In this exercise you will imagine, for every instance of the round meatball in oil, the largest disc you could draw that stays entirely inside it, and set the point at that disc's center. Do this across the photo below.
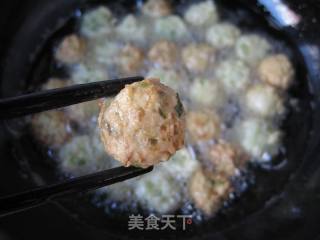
(258, 138)
(171, 28)
(131, 30)
(201, 14)
(158, 192)
(223, 158)
(234, 75)
(131, 59)
(276, 70)
(251, 48)
(208, 190)
(163, 53)
(71, 49)
(222, 35)
(181, 165)
(207, 92)
(197, 57)
(263, 100)
(144, 125)
(79, 156)
(51, 128)
(202, 125)
(97, 22)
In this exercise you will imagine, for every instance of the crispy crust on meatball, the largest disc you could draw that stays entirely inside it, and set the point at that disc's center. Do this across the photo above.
(143, 125)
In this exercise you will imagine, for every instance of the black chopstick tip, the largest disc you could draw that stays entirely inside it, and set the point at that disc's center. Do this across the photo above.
(138, 169)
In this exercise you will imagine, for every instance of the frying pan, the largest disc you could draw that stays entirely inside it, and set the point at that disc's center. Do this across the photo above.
(282, 201)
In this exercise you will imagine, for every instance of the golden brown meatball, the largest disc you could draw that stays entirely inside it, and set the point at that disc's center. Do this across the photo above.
(51, 127)
(276, 70)
(164, 53)
(202, 125)
(208, 190)
(157, 8)
(131, 59)
(197, 57)
(71, 49)
(223, 157)
(144, 124)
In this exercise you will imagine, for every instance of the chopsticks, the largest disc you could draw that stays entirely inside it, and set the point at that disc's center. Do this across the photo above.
(55, 98)
(26, 200)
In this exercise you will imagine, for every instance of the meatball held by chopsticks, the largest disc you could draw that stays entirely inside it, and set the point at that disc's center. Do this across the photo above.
(144, 124)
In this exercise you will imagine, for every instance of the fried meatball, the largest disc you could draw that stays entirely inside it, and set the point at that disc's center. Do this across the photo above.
(207, 92)
(158, 191)
(131, 30)
(157, 8)
(198, 57)
(264, 100)
(258, 137)
(223, 157)
(71, 49)
(276, 70)
(164, 53)
(200, 14)
(131, 59)
(222, 35)
(252, 48)
(144, 124)
(51, 128)
(97, 22)
(234, 75)
(208, 190)
(202, 125)
(171, 28)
